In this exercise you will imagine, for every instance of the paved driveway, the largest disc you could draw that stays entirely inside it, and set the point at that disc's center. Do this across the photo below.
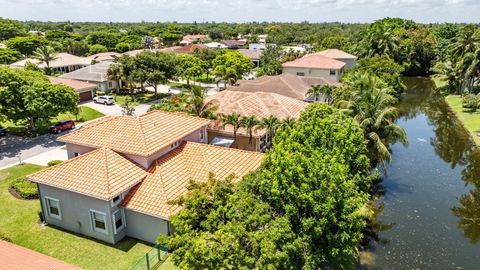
(115, 109)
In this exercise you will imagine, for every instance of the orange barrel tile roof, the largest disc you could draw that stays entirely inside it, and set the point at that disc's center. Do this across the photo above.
(77, 85)
(317, 61)
(13, 257)
(170, 175)
(101, 173)
(138, 135)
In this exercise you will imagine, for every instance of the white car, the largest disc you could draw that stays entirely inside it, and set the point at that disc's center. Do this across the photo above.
(107, 100)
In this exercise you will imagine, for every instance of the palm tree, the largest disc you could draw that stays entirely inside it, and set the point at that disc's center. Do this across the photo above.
(196, 103)
(287, 122)
(270, 124)
(321, 93)
(115, 73)
(45, 54)
(249, 123)
(466, 41)
(372, 107)
(228, 75)
(235, 121)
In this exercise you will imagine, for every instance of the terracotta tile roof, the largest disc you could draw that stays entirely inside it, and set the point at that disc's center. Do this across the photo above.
(187, 49)
(63, 60)
(16, 257)
(336, 54)
(78, 86)
(234, 42)
(317, 61)
(190, 161)
(258, 104)
(101, 173)
(285, 84)
(252, 54)
(138, 135)
(191, 38)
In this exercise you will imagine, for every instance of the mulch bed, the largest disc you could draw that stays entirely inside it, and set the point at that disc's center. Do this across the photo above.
(15, 194)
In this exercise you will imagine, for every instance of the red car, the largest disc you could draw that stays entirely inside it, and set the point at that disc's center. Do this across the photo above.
(62, 125)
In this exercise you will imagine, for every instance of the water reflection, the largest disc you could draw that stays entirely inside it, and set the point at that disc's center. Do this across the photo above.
(450, 142)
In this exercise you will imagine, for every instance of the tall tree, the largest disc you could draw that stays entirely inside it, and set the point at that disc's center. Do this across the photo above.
(45, 54)
(235, 121)
(270, 125)
(114, 73)
(321, 93)
(249, 123)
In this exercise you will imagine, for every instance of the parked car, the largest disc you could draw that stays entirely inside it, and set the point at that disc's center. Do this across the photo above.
(107, 100)
(62, 125)
(3, 131)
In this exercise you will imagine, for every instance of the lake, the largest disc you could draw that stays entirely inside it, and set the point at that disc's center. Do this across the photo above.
(429, 214)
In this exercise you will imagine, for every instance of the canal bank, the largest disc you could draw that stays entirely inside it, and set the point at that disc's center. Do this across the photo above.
(430, 209)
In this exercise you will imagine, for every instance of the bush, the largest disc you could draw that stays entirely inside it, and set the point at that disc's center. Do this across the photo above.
(54, 162)
(471, 101)
(26, 189)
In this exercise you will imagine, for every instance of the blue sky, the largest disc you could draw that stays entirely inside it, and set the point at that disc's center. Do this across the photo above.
(241, 10)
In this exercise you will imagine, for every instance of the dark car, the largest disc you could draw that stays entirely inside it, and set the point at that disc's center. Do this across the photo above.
(3, 131)
(62, 125)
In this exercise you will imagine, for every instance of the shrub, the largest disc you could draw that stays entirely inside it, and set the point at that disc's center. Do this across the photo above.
(26, 189)
(54, 162)
(471, 101)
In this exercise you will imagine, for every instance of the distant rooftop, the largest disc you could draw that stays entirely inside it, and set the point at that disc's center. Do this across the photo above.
(63, 60)
(337, 54)
(78, 86)
(316, 61)
(93, 73)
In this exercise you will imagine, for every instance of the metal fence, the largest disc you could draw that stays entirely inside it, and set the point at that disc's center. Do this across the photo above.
(152, 259)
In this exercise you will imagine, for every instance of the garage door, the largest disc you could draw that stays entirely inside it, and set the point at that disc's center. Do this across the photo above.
(85, 96)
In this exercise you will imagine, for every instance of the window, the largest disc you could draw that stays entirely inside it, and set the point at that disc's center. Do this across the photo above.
(300, 74)
(110, 84)
(202, 134)
(53, 208)
(99, 221)
(76, 154)
(333, 72)
(118, 218)
(117, 200)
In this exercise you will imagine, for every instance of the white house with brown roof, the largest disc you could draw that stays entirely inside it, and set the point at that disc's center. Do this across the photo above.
(123, 170)
(315, 65)
(64, 63)
(340, 55)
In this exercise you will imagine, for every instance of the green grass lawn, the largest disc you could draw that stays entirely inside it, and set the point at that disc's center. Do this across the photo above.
(86, 114)
(470, 120)
(19, 223)
(135, 99)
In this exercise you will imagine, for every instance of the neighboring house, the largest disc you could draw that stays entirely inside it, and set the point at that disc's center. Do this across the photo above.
(339, 55)
(297, 49)
(262, 38)
(285, 84)
(134, 53)
(123, 170)
(215, 45)
(189, 39)
(234, 43)
(96, 74)
(187, 49)
(315, 65)
(85, 90)
(257, 46)
(254, 55)
(258, 104)
(102, 57)
(64, 63)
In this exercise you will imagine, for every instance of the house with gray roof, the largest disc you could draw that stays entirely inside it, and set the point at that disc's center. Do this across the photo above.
(96, 74)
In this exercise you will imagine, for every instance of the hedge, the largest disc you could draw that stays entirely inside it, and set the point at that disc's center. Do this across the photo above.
(25, 189)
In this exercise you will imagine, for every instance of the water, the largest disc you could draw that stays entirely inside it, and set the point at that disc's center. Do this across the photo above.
(431, 205)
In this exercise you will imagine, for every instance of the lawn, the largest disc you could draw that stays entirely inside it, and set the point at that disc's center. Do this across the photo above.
(86, 114)
(19, 223)
(470, 120)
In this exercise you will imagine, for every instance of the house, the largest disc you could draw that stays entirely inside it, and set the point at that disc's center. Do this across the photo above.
(190, 39)
(123, 170)
(286, 84)
(96, 74)
(315, 65)
(215, 45)
(257, 46)
(64, 63)
(262, 38)
(339, 55)
(102, 57)
(258, 104)
(85, 90)
(134, 53)
(234, 43)
(254, 55)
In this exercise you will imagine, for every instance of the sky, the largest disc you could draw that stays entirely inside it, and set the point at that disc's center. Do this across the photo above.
(424, 11)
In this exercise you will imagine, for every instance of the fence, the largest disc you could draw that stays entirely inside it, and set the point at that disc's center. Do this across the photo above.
(152, 259)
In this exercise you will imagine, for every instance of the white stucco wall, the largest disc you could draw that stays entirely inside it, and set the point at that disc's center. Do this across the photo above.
(145, 227)
(322, 73)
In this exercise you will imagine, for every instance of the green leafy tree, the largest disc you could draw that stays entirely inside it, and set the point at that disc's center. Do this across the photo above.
(97, 48)
(270, 125)
(270, 63)
(25, 45)
(114, 73)
(249, 123)
(29, 96)
(225, 74)
(190, 67)
(106, 39)
(235, 61)
(78, 48)
(8, 56)
(57, 35)
(11, 28)
(322, 93)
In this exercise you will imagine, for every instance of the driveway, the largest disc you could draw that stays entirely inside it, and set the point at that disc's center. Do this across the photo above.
(115, 109)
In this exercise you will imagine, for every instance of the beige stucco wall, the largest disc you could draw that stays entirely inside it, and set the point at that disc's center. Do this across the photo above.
(145, 227)
(322, 73)
(242, 141)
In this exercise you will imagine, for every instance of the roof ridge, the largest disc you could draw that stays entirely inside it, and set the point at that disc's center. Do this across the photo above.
(146, 145)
